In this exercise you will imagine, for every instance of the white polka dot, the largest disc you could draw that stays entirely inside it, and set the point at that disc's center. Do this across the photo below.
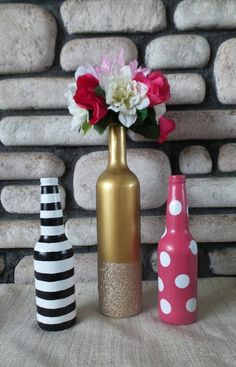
(165, 306)
(193, 247)
(175, 207)
(182, 281)
(160, 284)
(165, 259)
(164, 233)
(191, 305)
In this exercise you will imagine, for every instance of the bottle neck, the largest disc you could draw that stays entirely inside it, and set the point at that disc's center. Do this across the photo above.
(117, 146)
(177, 206)
(51, 217)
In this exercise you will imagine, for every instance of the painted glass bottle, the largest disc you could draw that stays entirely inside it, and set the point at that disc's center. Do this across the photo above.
(118, 230)
(177, 260)
(53, 264)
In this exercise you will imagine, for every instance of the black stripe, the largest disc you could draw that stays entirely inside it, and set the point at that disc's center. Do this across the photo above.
(57, 221)
(51, 239)
(56, 311)
(53, 256)
(54, 277)
(57, 327)
(52, 189)
(55, 295)
(50, 206)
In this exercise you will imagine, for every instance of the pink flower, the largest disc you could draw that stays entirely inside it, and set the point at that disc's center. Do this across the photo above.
(158, 86)
(166, 126)
(85, 97)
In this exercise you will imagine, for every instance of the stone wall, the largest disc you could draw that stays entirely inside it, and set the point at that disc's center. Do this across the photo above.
(41, 44)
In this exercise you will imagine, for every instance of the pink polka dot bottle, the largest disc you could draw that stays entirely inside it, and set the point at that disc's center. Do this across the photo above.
(177, 260)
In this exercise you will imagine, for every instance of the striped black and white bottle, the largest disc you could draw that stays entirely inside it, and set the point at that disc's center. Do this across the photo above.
(53, 264)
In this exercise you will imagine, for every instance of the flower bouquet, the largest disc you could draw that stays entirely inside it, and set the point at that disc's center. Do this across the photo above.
(114, 92)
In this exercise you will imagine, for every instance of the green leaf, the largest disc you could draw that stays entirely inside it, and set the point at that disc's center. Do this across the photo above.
(101, 126)
(151, 112)
(86, 127)
(141, 116)
(149, 128)
(99, 91)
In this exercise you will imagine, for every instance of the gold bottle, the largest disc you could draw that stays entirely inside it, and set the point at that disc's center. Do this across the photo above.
(118, 231)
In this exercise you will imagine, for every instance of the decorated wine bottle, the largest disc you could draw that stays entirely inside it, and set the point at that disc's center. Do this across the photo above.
(177, 260)
(53, 264)
(118, 230)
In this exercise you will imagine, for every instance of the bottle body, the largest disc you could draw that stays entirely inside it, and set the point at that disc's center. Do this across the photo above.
(53, 264)
(177, 260)
(118, 231)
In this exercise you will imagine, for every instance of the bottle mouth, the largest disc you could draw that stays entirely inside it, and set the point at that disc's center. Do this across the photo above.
(177, 179)
(49, 181)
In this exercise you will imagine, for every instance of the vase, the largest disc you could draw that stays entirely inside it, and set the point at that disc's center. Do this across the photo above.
(118, 233)
(177, 260)
(53, 264)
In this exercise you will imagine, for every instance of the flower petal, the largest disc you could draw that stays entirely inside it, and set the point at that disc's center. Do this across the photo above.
(166, 126)
(82, 70)
(160, 110)
(126, 71)
(143, 88)
(113, 108)
(80, 115)
(127, 120)
(143, 103)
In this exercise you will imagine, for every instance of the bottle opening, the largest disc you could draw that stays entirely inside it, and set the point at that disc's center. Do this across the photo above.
(49, 181)
(177, 179)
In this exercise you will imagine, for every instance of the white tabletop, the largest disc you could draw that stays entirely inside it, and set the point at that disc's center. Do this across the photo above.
(140, 341)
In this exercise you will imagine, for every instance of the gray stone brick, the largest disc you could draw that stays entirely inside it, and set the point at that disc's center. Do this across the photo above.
(113, 16)
(33, 93)
(207, 14)
(29, 166)
(210, 228)
(215, 192)
(45, 131)
(19, 233)
(91, 51)
(186, 88)
(195, 159)
(27, 38)
(227, 158)
(223, 262)
(224, 71)
(177, 51)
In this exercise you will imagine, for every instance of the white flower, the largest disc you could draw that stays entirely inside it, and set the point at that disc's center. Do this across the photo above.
(80, 115)
(123, 94)
(82, 70)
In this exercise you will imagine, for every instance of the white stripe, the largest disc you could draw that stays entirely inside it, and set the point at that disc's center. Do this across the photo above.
(49, 181)
(52, 230)
(51, 213)
(56, 320)
(57, 303)
(53, 246)
(53, 267)
(60, 285)
(50, 198)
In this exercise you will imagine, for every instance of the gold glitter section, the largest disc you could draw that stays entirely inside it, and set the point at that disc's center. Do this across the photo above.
(120, 289)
